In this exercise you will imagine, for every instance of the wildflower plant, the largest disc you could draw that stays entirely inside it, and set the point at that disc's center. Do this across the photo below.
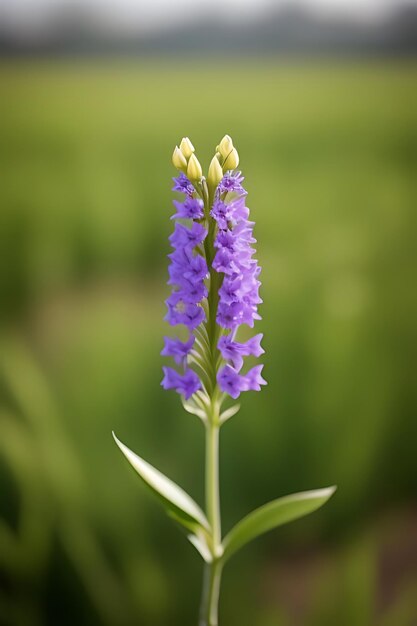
(214, 281)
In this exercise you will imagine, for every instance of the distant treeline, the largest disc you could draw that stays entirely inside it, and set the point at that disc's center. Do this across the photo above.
(290, 30)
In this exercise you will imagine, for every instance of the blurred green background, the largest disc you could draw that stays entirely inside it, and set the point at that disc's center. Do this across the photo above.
(329, 151)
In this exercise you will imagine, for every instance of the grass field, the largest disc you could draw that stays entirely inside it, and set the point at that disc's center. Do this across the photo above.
(329, 151)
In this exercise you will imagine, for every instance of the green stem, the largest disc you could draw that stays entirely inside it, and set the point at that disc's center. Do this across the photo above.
(212, 480)
(210, 597)
(212, 571)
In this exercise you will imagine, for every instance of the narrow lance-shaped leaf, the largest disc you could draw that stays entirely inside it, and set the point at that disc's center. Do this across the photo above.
(274, 514)
(228, 413)
(197, 536)
(191, 407)
(177, 502)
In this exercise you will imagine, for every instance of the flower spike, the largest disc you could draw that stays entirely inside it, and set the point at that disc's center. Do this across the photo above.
(215, 280)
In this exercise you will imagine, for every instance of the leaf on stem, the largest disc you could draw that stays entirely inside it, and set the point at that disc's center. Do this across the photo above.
(228, 413)
(178, 504)
(192, 408)
(274, 514)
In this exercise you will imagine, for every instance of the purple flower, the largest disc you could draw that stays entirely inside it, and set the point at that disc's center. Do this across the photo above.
(254, 379)
(197, 269)
(234, 351)
(186, 264)
(191, 208)
(226, 239)
(225, 262)
(182, 312)
(233, 383)
(177, 348)
(231, 181)
(183, 185)
(243, 230)
(193, 291)
(188, 238)
(230, 381)
(186, 384)
(236, 314)
(238, 210)
(241, 287)
(221, 213)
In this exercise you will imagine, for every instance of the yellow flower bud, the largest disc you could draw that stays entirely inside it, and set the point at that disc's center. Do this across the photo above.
(232, 161)
(178, 160)
(186, 147)
(215, 172)
(194, 171)
(225, 146)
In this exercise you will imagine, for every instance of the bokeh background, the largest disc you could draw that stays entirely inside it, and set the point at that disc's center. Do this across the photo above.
(321, 100)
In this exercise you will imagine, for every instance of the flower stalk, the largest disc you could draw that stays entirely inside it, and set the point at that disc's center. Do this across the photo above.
(228, 292)
(212, 570)
(224, 295)
(211, 591)
(212, 483)
(215, 283)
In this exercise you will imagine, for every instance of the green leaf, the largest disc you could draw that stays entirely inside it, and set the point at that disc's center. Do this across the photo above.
(191, 407)
(198, 537)
(175, 500)
(228, 413)
(274, 514)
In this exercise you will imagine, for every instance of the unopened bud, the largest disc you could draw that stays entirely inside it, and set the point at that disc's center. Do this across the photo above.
(194, 171)
(215, 172)
(232, 161)
(225, 146)
(178, 159)
(186, 147)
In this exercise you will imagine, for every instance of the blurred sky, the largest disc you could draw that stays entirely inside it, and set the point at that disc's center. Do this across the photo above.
(156, 14)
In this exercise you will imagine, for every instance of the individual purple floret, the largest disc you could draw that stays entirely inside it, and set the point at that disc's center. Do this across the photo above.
(254, 379)
(191, 208)
(185, 384)
(233, 383)
(187, 238)
(234, 351)
(178, 349)
(182, 312)
(231, 181)
(183, 185)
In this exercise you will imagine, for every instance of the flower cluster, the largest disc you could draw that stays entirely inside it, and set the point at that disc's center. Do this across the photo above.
(187, 272)
(239, 292)
(216, 206)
